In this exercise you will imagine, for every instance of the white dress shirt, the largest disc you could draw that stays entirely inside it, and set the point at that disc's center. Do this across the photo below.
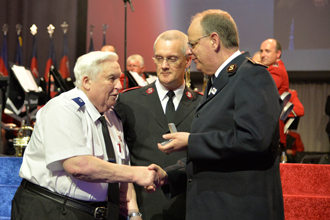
(66, 128)
(162, 93)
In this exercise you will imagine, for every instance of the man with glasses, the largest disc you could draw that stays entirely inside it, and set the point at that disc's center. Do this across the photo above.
(145, 116)
(232, 163)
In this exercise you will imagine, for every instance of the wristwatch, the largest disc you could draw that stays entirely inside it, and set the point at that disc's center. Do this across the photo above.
(134, 214)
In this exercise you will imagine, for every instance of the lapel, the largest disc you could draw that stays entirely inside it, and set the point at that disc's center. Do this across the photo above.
(206, 91)
(224, 77)
(185, 106)
(152, 103)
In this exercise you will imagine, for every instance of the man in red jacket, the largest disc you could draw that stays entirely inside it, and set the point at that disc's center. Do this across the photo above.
(270, 55)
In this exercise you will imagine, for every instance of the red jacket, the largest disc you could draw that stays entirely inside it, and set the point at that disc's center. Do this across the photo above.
(280, 76)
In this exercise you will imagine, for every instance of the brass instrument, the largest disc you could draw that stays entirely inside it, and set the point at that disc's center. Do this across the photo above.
(205, 80)
(22, 139)
(187, 76)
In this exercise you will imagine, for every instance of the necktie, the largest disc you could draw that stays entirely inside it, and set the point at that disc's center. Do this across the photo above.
(107, 140)
(170, 110)
(113, 188)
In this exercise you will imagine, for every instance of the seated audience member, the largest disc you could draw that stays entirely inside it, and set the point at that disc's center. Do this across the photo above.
(135, 63)
(77, 162)
(270, 55)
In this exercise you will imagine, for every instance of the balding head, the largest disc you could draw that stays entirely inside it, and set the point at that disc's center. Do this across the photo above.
(108, 48)
(270, 52)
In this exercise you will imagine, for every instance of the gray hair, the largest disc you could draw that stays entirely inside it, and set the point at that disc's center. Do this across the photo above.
(220, 22)
(172, 35)
(91, 64)
(136, 57)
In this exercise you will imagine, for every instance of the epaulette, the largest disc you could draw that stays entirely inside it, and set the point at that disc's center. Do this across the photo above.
(200, 93)
(79, 101)
(256, 62)
(132, 88)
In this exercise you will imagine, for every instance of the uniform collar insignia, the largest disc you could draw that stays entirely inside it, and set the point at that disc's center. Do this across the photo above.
(150, 91)
(231, 68)
(189, 95)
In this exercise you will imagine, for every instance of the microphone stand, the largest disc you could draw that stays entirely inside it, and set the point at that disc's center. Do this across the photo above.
(125, 39)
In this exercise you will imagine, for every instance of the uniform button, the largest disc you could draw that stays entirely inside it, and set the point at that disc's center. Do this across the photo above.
(190, 180)
(197, 116)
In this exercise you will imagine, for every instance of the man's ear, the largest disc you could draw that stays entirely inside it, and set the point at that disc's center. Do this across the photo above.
(215, 41)
(188, 62)
(86, 83)
(278, 54)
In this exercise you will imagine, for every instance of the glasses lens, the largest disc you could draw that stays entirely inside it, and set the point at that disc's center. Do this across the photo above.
(169, 60)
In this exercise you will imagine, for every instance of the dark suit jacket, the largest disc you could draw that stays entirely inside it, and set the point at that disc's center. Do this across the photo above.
(144, 124)
(232, 165)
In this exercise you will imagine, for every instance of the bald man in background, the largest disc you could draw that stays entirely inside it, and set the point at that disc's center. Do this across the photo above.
(270, 55)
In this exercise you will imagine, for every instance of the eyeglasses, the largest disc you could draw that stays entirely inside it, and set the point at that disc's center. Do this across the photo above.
(170, 60)
(192, 44)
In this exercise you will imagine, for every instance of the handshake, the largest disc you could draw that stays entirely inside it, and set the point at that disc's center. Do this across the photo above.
(151, 177)
(157, 177)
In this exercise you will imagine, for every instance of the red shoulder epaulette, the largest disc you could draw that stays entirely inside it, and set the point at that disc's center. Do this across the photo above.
(132, 88)
(201, 93)
(256, 62)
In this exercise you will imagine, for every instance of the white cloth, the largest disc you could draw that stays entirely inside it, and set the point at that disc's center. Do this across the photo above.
(162, 93)
(64, 129)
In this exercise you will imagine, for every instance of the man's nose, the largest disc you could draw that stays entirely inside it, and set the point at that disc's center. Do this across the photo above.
(118, 84)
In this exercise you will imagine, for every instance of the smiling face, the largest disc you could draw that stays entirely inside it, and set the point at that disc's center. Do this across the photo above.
(103, 90)
(171, 74)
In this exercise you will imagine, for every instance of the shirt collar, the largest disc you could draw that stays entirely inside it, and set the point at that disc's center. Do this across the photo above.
(233, 56)
(162, 91)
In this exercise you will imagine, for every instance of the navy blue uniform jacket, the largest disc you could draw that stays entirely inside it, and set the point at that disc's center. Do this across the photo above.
(232, 165)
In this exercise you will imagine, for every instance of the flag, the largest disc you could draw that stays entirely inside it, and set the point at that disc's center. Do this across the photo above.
(91, 45)
(4, 58)
(64, 65)
(51, 58)
(18, 54)
(34, 62)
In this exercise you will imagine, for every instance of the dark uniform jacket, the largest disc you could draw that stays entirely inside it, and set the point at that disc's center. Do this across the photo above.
(144, 124)
(232, 166)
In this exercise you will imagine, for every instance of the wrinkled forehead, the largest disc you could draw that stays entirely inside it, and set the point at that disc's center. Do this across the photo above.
(195, 30)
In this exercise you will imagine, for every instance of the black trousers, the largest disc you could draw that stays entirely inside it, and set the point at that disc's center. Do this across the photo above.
(27, 205)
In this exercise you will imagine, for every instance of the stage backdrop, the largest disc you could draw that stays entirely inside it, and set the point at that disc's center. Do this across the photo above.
(301, 24)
